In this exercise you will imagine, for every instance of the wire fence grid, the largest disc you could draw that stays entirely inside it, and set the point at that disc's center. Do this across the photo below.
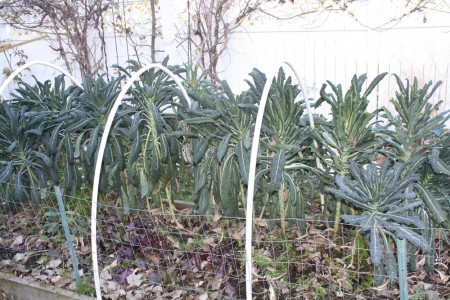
(143, 254)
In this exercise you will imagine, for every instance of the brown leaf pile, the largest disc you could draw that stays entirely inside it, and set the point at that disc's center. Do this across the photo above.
(144, 255)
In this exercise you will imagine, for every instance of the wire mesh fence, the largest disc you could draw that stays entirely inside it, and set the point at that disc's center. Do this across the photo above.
(144, 254)
(32, 242)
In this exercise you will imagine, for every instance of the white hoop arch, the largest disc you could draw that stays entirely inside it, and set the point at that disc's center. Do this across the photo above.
(252, 171)
(37, 62)
(99, 161)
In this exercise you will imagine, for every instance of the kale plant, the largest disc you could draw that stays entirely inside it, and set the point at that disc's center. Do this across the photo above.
(387, 209)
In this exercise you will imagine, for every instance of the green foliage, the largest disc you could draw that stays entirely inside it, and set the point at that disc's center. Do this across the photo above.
(25, 169)
(417, 127)
(434, 187)
(381, 196)
(45, 96)
(287, 158)
(85, 289)
(221, 154)
(349, 134)
(417, 139)
(160, 146)
(155, 148)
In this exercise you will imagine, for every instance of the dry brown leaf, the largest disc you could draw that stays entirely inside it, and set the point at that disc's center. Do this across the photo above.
(237, 236)
(218, 230)
(421, 262)
(209, 241)
(85, 250)
(154, 259)
(21, 257)
(21, 268)
(443, 276)
(177, 294)
(215, 284)
(53, 264)
(314, 231)
(63, 281)
(134, 280)
(115, 295)
(174, 242)
(230, 291)
(203, 296)
(216, 218)
(55, 279)
(41, 277)
(139, 294)
(315, 256)
(50, 272)
(199, 283)
(111, 266)
(261, 222)
(387, 293)
(272, 294)
(17, 241)
(105, 275)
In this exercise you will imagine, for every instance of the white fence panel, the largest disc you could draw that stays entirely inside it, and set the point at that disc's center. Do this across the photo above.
(319, 55)
(338, 55)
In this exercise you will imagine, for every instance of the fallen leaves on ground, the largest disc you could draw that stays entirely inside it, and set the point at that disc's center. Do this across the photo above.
(142, 255)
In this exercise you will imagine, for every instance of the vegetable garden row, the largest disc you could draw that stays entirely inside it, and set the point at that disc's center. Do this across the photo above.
(385, 173)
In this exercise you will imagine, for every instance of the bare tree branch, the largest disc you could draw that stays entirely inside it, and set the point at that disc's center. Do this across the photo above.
(69, 21)
(213, 27)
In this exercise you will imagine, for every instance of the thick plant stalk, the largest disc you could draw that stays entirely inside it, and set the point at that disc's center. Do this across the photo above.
(66, 228)
(429, 258)
(337, 218)
(412, 257)
(282, 205)
(242, 196)
(168, 189)
(402, 265)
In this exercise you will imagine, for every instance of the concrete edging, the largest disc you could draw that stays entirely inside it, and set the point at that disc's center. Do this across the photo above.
(16, 288)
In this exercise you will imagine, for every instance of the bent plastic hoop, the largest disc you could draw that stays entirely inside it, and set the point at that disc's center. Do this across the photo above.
(252, 172)
(36, 62)
(99, 161)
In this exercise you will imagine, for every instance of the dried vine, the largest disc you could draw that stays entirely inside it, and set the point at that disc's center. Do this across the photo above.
(70, 22)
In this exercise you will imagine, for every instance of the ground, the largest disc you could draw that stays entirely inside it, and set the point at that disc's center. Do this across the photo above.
(145, 255)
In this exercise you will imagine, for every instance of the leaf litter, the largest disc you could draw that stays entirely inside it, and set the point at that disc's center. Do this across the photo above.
(143, 256)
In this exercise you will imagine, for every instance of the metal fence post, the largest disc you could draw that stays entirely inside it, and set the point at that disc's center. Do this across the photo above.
(402, 275)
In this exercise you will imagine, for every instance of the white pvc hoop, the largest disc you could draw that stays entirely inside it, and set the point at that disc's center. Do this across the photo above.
(252, 172)
(99, 161)
(311, 123)
(37, 62)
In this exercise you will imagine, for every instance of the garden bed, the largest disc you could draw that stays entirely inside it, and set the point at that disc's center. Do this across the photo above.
(143, 254)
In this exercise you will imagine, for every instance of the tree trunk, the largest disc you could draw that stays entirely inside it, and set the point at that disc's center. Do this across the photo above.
(153, 49)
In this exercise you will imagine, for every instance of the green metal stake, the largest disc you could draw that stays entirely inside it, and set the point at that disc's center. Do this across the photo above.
(402, 276)
(65, 224)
